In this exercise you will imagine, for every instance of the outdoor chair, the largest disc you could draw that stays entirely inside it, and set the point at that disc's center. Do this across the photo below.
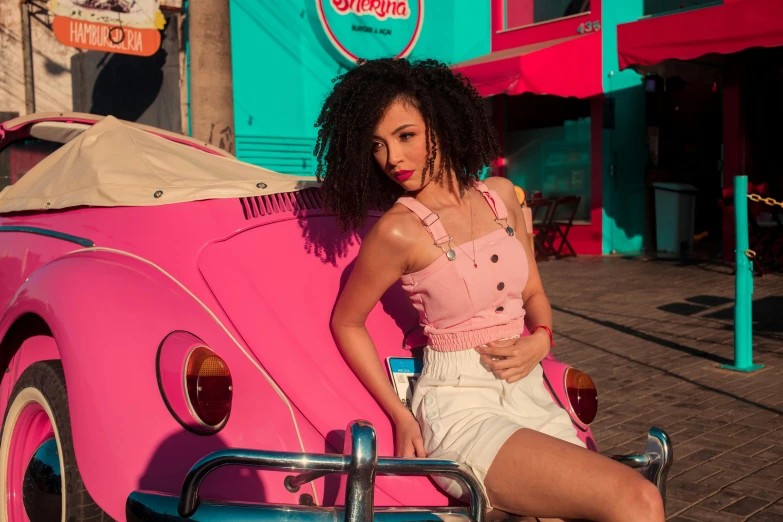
(541, 212)
(559, 228)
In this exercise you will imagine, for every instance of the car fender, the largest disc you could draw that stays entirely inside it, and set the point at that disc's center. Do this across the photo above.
(108, 313)
(32, 350)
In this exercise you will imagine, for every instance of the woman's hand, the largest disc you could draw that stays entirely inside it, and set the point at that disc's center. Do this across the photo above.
(513, 359)
(409, 440)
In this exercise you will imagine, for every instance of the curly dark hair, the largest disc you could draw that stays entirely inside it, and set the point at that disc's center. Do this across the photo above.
(455, 119)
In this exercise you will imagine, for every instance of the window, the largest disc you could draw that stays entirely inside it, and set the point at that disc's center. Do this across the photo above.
(653, 7)
(20, 157)
(546, 148)
(520, 13)
(554, 161)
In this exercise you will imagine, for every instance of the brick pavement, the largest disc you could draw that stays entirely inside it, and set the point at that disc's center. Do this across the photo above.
(652, 334)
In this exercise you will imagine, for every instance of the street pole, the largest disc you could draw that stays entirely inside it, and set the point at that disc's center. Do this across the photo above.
(743, 285)
(27, 51)
(211, 82)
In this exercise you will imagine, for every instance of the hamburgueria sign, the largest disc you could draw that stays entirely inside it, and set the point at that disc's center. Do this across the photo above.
(116, 26)
(371, 28)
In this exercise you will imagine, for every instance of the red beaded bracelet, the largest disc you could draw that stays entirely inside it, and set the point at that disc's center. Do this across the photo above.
(548, 331)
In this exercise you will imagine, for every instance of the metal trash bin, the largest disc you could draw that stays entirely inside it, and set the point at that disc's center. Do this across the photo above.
(675, 211)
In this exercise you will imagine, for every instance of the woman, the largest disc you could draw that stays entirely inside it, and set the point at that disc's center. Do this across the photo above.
(413, 138)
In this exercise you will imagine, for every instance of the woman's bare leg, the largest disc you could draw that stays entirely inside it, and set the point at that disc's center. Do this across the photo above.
(537, 475)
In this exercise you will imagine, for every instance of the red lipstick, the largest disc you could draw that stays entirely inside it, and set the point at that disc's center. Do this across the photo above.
(402, 175)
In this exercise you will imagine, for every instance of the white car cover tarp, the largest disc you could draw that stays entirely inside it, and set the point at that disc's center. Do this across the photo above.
(112, 164)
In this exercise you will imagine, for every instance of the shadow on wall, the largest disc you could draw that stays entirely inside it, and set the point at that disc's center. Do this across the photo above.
(143, 89)
(624, 170)
(126, 85)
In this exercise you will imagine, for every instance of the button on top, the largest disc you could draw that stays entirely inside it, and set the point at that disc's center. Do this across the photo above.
(428, 401)
(501, 285)
(499, 309)
(494, 258)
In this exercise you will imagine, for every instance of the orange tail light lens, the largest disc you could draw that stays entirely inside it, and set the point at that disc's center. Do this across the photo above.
(209, 386)
(582, 395)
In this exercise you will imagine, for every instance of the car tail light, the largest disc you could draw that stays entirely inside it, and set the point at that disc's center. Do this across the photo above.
(195, 383)
(582, 395)
(208, 386)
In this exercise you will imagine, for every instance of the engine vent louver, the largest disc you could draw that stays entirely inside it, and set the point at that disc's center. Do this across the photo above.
(257, 206)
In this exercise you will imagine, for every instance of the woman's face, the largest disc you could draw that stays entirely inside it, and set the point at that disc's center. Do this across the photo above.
(400, 145)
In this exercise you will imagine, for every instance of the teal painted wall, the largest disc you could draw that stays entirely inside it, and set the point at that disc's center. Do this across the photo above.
(283, 66)
(624, 147)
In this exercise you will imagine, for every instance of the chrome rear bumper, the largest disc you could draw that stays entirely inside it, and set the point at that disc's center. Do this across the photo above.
(361, 463)
(149, 507)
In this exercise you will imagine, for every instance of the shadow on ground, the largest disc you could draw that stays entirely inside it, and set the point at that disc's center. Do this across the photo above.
(767, 311)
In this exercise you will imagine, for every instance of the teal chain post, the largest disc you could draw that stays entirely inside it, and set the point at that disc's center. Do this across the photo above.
(743, 286)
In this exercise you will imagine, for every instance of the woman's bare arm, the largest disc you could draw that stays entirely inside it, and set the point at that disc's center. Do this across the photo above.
(380, 263)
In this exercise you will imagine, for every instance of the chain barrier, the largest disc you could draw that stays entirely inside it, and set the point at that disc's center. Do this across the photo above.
(769, 201)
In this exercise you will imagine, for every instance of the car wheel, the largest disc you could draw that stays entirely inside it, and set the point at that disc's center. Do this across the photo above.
(39, 480)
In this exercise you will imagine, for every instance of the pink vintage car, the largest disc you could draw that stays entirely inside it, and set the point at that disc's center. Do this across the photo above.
(164, 330)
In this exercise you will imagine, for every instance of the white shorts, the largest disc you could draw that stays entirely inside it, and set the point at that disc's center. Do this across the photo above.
(466, 413)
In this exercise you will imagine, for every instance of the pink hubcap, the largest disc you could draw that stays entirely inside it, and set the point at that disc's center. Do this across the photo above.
(33, 427)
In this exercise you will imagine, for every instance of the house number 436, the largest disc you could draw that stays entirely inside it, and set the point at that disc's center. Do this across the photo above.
(589, 27)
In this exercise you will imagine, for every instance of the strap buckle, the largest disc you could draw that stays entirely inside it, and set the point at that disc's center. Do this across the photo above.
(443, 239)
(424, 220)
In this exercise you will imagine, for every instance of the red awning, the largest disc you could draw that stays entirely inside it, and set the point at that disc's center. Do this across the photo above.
(566, 67)
(723, 29)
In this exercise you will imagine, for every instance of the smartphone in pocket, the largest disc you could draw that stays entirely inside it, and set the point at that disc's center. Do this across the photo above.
(404, 373)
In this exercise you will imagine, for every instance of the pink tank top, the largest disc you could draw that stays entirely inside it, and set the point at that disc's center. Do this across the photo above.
(461, 306)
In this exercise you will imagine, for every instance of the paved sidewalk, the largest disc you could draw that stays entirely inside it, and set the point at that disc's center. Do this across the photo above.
(652, 334)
